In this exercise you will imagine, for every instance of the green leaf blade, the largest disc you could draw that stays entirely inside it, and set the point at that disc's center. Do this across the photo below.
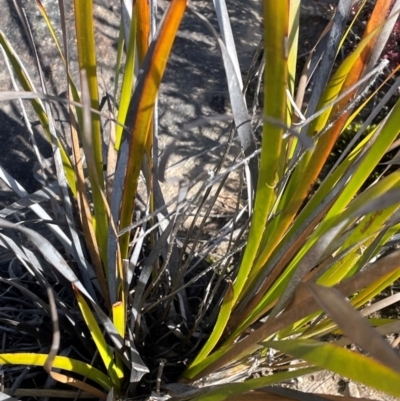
(344, 362)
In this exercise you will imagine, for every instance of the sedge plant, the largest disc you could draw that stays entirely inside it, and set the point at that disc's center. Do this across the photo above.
(149, 312)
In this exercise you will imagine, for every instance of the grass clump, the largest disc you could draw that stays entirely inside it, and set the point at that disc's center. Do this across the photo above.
(136, 308)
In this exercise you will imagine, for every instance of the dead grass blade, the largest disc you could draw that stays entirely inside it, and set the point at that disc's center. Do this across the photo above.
(354, 325)
(27, 201)
(384, 303)
(384, 330)
(239, 108)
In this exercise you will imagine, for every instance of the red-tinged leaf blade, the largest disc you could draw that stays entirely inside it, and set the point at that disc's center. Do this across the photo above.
(142, 105)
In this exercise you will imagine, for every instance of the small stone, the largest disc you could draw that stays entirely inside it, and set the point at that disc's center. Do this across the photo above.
(351, 390)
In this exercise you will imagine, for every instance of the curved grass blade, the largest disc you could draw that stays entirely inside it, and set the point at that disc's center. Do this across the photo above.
(219, 327)
(366, 232)
(142, 13)
(37, 105)
(331, 42)
(55, 344)
(59, 263)
(57, 43)
(36, 208)
(389, 129)
(28, 201)
(60, 362)
(342, 361)
(104, 350)
(89, 145)
(226, 391)
(375, 288)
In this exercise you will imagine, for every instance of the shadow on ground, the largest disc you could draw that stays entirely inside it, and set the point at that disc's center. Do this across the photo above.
(194, 84)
